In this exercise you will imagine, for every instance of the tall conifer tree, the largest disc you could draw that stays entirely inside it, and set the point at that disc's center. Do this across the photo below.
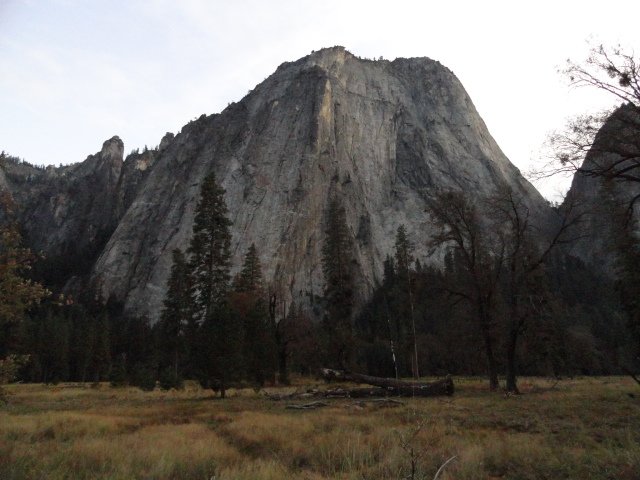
(337, 256)
(250, 304)
(220, 334)
(209, 249)
(101, 354)
(250, 278)
(175, 321)
(404, 259)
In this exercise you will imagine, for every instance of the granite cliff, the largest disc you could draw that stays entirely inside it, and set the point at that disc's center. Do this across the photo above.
(606, 200)
(69, 213)
(381, 135)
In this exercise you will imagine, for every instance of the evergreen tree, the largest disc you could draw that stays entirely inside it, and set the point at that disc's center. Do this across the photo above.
(58, 343)
(403, 252)
(176, 316)
(101, 352)
(337, 257)
(50, 347)
(388, 282)
(404, 258)
(220, 350)
(83, 339)
(219, 336)
(118, 375)
(209, 249)
(281, 326)
(389, 271)
(250, 278)
(250, 305)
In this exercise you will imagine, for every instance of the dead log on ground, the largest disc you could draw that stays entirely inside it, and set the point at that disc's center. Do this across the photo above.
(311, 393)
(379, 402)
(389, 386)
(307, 406)
(632, 375)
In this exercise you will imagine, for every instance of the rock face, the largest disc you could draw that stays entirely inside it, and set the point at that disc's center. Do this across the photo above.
(383, 136)
(69, 213)
(605, 202)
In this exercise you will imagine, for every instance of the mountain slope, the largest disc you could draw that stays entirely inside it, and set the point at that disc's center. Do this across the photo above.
(383, 136)
(69, 213)
(606, 201)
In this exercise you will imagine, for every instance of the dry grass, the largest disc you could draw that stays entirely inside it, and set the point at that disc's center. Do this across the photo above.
(583, 429)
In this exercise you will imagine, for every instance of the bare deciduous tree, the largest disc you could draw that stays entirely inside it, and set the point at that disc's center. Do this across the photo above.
(525, 247)
(604, 144)
(458, 226)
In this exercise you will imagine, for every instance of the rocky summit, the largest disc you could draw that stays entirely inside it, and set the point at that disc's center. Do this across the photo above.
(381, 135)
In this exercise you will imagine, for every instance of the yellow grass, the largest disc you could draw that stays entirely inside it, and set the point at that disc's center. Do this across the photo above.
(584, 428)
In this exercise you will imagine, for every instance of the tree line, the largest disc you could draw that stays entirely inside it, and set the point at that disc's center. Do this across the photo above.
(508, 301)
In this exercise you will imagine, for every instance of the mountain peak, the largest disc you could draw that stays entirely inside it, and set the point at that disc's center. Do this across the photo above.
(381, 136)
(113, 149)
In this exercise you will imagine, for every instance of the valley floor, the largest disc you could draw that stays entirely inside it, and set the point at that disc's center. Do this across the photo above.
(587, 428)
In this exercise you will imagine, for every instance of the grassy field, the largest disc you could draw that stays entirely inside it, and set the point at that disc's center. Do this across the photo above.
(580, 429)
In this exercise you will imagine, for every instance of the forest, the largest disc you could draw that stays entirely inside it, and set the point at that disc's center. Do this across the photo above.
(420, 321)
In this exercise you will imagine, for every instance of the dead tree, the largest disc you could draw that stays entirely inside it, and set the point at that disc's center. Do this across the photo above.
(389, 386)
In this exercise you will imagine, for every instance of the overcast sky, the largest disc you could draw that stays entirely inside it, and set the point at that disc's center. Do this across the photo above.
(74, 73)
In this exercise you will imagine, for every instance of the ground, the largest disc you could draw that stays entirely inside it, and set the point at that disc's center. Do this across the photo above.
(587, 428)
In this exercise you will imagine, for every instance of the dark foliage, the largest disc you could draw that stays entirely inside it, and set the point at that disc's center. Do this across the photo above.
(337, 257)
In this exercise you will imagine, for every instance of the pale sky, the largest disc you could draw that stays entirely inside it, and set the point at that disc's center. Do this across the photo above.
(74, 73)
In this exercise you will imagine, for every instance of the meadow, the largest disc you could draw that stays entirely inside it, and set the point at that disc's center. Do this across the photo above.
(583, 428)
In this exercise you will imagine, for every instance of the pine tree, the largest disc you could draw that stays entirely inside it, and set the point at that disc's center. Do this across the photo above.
(176, 317)
(220, 349)
(404, 258)
(51, 345)
(403, 252)
(389, 271)
(101, 352)
(209, 249)
(118, 375)
(219, 335)
(337, 257)
(388, 283)
(281, 326)
(250, 305)
(82, 342)
(250, 278)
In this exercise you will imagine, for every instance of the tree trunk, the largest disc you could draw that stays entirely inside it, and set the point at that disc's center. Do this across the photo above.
(485, 327)
(414, 360)
(390, 386)
(492, 369)
(283, 373)
(175, 366)
(511, 362)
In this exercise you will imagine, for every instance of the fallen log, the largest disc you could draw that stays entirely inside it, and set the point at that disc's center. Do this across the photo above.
(386, 401)
(389, 386)
(307, 406)
(311, 393)
(365, 392)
